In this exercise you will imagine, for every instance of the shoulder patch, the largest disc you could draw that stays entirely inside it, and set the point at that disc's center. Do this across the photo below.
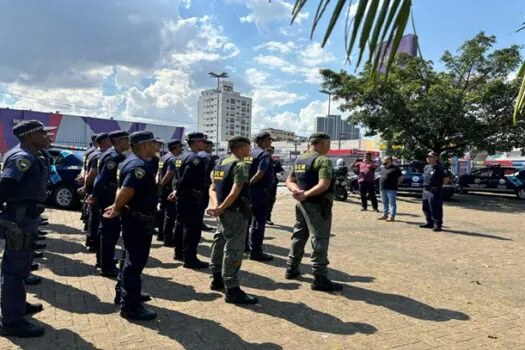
(139, 173)
(196, 161)
(23, 164)
(111, 165)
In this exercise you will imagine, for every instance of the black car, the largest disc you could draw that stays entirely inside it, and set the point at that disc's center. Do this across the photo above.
(494, 179)
(66, 166)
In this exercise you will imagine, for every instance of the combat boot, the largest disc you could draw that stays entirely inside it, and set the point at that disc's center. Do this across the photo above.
(426, 226)
(322, 283)
(144, 297)
(160, 237)
(22, 329)
(139, 314)
(114, 272)
(195, 264)
(237, 296)
(260, 256)
(35, 266)
(292, 272)
(437, 228)
(31, 280)
(217, 283)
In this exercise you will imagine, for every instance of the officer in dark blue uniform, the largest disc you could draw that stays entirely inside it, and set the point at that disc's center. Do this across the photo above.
(165, 178)
(135, 204)
(435, 177)
(23, 187)
(104, 192)
(104, 143)
(261, 177)
(272, 192)
(80, 180)
(189, 195)
(209, 160)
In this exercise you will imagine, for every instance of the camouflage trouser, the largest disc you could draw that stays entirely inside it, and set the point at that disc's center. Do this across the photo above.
(320, 216)
(228, 246)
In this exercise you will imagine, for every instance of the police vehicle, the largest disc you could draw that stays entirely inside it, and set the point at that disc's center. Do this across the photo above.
(494, 179)
(66, 166)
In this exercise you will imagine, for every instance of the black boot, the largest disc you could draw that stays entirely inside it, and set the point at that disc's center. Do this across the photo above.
(426, 226)
(144, 297)
(110, 273)
(34, 266)
(437, 228)
(42, 233)
(31, 280)
(260, 256)
(140, 313)
(217, 283)
(237, 296)
(38, 254)
(322, 283)
(195, 264)
(40, 246)
(22, 329)
(33, 308)
(160, 237)
(292, 272)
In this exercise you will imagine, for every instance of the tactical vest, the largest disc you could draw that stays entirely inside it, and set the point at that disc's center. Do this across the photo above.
(177, 176)
(253, 161)
(164, 162)
(223, 179)
(430, 180)
(307, 178)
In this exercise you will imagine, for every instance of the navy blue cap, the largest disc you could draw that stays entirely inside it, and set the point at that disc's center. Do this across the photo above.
(103, 136)
(209, 142)
(174, 143)
(93, 138)
(263, 135)
(27, 127)
(118, 134)
(196, 136)
(159, 140)
(139, 137)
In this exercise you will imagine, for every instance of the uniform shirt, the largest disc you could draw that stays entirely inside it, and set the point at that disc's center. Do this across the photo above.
(192, 174)
(261, 160)
(209, 161)
(165, 165)
(86, 157)
(434, 175)
(241, 172)
(138, 174)
(322, 165)
(277, 168)
(389, 178)
(107, 166)
(31, 173)
(155, 161)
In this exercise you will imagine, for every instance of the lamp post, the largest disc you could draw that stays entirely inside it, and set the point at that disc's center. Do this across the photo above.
(329, 93)
(218, 77)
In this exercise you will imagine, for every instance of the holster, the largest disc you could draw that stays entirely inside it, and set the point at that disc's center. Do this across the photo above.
(147, 219)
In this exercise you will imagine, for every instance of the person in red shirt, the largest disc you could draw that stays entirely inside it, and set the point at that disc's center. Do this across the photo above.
(365, 171)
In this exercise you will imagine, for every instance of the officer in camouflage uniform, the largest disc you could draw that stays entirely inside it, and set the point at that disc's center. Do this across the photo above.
(311, 183)
(230, 198)
(23, 187)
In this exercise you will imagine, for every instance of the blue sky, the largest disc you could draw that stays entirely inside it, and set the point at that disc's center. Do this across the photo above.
(148, 60)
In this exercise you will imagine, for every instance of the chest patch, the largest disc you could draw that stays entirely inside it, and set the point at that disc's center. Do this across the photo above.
(196, 161)
(140, 173)
(23, 164)
(111, 165)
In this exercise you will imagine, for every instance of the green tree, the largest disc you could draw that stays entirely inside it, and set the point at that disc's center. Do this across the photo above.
(375, 22)
(466, 107)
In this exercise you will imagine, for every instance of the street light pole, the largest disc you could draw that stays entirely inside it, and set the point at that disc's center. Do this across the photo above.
(329, 98)
(218, 77)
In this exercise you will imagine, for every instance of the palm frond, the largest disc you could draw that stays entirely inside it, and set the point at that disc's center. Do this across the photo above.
(519, 107)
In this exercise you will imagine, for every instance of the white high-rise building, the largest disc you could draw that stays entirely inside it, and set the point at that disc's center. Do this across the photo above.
(235, 113)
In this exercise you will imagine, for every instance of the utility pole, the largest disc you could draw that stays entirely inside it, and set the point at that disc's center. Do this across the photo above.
(218, 77)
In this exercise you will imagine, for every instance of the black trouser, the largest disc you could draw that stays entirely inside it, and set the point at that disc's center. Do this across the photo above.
(109, 233)
(188, 228)
(170, 214)
(272, 196)
(368, 189)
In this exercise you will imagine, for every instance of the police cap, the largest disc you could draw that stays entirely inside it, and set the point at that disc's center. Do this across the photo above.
(196, 136)
(119, 134)
(263, 135)
(319, 136)
(27, 127)
(93, 137)
(159, 140)
(433, 154)
(103, 136)
(174, 143)
(139, 137)
(209, 142)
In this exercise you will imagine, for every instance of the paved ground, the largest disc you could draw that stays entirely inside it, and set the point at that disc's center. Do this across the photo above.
(405, 288)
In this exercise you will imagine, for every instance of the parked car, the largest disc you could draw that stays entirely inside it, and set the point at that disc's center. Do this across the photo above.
(62, 188)
(494, 179)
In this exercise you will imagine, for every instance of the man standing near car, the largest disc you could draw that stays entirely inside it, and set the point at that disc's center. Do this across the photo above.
(104, 192)
(434, 178)
(366, 171)
(389, 181)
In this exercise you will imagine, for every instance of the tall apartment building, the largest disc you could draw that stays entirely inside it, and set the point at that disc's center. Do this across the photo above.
(337, 128)
(235, 113)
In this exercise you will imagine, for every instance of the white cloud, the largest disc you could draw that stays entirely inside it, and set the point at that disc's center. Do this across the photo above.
(285, 48)
(262, 12)
(309, 74)
(314, 55)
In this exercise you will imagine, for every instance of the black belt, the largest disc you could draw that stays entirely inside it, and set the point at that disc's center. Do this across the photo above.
(148, 218)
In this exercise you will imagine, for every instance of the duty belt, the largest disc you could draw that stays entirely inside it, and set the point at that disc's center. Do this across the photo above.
(142, 217)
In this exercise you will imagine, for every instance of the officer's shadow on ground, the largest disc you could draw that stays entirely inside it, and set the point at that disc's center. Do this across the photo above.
(303, 316)
(252, 280)
(53, 338)
(165, 288)
(190, 331)
(488, 202)
(457, 232)
(63, 229)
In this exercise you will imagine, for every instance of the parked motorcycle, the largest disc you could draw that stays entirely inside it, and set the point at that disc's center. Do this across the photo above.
(340, 185)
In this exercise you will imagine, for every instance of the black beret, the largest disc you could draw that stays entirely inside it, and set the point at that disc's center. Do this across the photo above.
(27, 127)
(103, 136)
(239, 139)
(141, 137)
(263, 135)
(118, 134)
(319, 136)
(196, 136)
(174, 143)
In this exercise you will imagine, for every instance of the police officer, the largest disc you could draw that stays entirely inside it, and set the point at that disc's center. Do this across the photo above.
(434, 178)
(93, 240)
(155, 162)
(104, 192)
(189, 195)
(210, 165)
(230, 201)
(311, 183)
(81, 178)
(135, 204)
(165, 180)
(23, 187)
(272, 193)
(261, 177)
